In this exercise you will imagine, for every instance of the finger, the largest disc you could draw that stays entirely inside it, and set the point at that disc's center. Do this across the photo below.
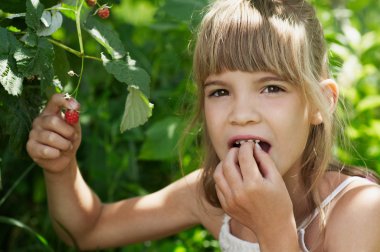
(38, 151)
(265, 163)
(222, 199)
(55, 124)
(231, 169)
(248, 165)
(57, 102)
(53, 140)
(220, 180)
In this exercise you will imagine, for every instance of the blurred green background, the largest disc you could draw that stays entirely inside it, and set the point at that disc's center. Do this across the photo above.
(158, 34)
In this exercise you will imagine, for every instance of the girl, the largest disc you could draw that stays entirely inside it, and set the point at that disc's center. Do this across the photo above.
(267, 182)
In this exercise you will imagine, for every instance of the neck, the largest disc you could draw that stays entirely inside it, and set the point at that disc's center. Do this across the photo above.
(297, 193)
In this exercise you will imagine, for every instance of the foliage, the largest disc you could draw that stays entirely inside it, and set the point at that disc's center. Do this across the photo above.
(143, 44)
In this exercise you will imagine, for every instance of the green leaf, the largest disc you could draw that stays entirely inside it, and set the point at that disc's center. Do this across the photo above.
(17, 223)
(126, 71)
(137, 109)
(30, 38)
(4, 45)
(10, 79)
(181, 10)
(368, 103)
(52, 21)
(34, 11)
(36, 60)
(105, 36)
(162, 138)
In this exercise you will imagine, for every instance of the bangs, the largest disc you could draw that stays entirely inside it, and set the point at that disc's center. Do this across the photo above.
(241, 37)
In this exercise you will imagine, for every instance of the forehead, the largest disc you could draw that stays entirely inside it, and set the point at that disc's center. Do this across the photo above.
(233, 76)
(241, 38)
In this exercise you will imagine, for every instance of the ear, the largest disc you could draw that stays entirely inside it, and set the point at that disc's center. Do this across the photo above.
(331, 91)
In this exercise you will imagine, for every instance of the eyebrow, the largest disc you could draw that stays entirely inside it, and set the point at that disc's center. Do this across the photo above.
(263, 79)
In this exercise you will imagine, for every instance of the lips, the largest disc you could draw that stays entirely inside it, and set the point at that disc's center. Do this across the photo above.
(237, 142)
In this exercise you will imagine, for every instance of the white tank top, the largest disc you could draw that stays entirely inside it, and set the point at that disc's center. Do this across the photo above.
(230, 243)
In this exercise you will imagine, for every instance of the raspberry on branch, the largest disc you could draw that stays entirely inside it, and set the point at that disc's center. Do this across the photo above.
(91, 2)
(103, 12)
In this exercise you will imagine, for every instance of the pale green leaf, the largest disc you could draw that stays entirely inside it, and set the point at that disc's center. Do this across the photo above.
(126, 71)
(105, 36)
(137, 109)
(52, 21)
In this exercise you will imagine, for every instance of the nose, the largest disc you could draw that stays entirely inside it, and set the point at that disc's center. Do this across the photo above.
(244, 111)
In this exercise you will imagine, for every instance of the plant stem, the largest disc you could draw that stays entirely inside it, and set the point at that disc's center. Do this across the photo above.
(79, 31)
(73, 51)
(60, 9)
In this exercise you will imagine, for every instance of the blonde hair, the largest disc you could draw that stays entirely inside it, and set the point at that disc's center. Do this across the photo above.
(282, 37)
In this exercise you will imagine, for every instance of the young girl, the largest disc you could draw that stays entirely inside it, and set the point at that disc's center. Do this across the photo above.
(268, 182)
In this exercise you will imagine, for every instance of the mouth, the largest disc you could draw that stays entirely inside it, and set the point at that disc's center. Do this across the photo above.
(265, 146)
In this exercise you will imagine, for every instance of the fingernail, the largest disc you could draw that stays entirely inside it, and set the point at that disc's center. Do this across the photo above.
(73, 104)
(257, 145)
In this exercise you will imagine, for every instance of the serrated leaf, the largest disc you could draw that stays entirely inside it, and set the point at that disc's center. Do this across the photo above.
(126, 71)
(30, 38)
(52, 21)
(37, 60)
(137, 109)
(10, 80)
(34, 11)
(4, 45)
(105, 36)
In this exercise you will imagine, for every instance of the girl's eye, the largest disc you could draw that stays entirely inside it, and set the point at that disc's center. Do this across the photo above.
(272, 89)
(219, 92)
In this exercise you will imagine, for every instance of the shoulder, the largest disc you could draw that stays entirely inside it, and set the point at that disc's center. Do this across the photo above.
(186, 194)
(354, 221)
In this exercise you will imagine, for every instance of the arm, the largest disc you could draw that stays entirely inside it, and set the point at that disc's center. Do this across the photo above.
(72, 204)
(354, 223)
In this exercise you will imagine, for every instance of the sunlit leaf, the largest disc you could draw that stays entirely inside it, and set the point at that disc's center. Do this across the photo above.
(52, 21)
(137, 109)
(10, 80)
(368, 103)
(126, 71)
(105, 36)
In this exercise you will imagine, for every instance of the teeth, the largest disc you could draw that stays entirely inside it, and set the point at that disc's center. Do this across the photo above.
(240, 142)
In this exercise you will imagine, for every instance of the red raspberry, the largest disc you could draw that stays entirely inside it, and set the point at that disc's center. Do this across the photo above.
(104, 12)
(71, 116)
(91, 2)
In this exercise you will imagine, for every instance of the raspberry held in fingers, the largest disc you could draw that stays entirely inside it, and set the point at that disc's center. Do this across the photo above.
(71, 116)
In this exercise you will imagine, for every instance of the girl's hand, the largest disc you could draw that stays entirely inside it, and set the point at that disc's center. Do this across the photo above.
(53, 142)
(252, 191)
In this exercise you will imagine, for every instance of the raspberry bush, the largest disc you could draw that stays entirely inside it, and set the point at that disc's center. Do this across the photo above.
(28, 54)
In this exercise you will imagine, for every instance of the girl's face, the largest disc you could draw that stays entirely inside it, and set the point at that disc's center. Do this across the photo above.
(257, 106)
